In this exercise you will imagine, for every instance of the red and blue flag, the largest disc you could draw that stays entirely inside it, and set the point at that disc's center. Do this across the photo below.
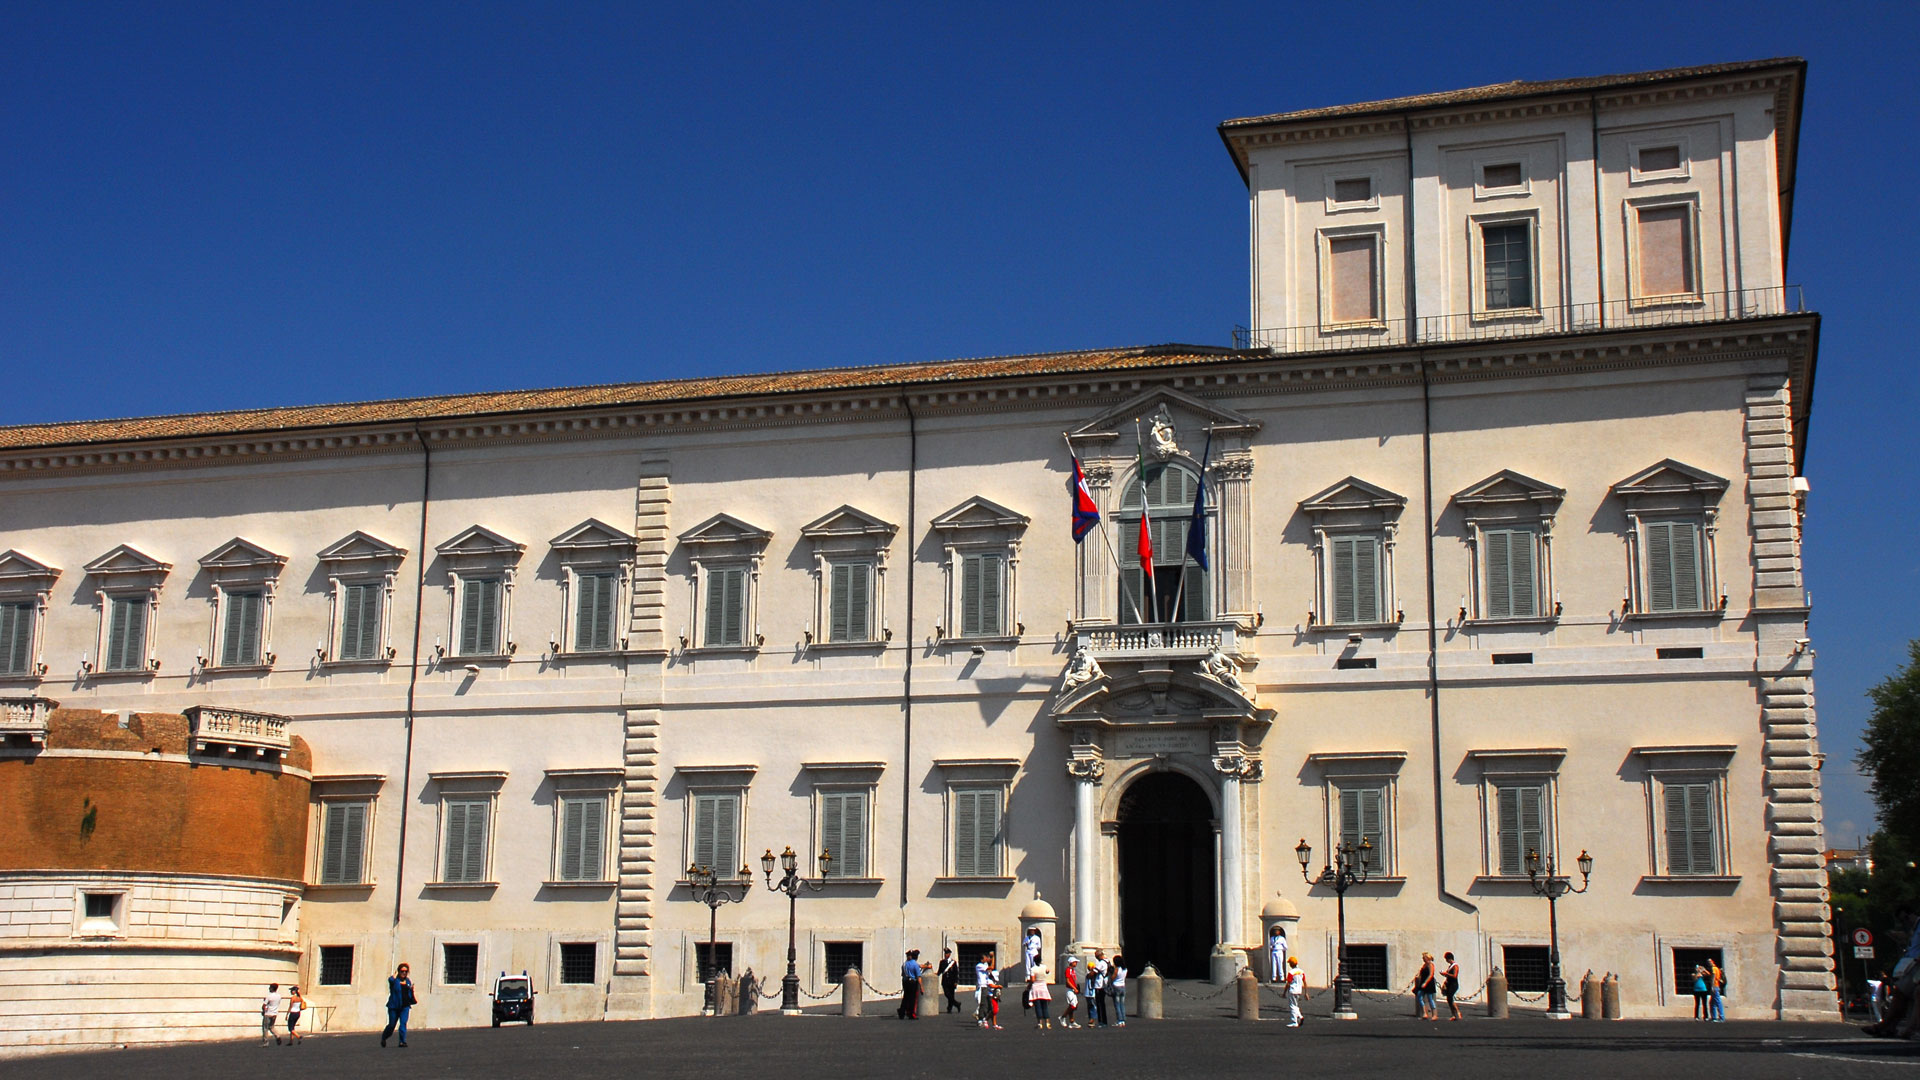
(1086, 515)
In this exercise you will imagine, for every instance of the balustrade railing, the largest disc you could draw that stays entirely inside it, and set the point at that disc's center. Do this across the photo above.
(235, 729)
(25, 719)
(1158, 639)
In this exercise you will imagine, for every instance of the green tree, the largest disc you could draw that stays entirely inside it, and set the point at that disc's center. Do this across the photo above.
(1890, 752)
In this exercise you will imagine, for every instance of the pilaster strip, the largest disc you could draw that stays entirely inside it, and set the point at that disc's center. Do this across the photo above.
(1796, 837)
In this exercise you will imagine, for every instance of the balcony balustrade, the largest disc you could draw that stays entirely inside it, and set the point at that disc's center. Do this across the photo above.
(23, 720)
(1158, 641)
(231, 731)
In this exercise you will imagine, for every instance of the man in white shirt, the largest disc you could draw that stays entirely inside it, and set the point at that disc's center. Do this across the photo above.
(984, 985)
(1296, 990)
(1277, 954)
(270, 1014)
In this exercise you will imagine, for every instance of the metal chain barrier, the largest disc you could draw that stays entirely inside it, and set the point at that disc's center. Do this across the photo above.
(1196, 997)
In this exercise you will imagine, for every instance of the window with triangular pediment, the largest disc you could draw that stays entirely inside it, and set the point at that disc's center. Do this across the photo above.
(480, 576)
(724, 555)
(1671, 510)
(25, 584)
(360, 571)
(849, 570)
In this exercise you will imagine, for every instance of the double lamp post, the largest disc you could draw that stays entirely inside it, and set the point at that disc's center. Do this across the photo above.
(711, 891)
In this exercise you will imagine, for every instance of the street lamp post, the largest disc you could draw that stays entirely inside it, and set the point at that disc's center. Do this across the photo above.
(1348, 868)
(790, 884)
(1549, 883)
(708, 890)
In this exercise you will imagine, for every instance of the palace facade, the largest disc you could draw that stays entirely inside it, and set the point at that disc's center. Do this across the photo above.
(1500, 508)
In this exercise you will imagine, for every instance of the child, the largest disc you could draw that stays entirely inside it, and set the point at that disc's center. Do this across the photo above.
(1039, 995)
(295, 1006)
(1072, 982)
(1296, 990)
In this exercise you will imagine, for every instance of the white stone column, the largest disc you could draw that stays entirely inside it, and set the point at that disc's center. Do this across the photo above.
(1231, 877)
(1086, 772)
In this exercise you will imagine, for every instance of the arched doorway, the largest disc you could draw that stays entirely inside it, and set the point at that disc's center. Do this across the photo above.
(1166, 875)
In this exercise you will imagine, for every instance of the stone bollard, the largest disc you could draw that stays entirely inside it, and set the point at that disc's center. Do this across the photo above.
(726, 995)
(748, 987)
(1247, 991)
(1590, 996)
(852, 990)
(1497, 995)
(1147, 990)
(1610, 997)
(931, 1004)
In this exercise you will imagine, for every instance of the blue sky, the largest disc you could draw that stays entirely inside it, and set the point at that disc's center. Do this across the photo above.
(219, 206)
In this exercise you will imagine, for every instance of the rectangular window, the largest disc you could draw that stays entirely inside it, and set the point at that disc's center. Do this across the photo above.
(1673, 566)
(1357, 189)
(842, 955)
(1510, 556)
(1363, 816)
(1507, 258)
(1685, 960)
(1659, 158)
(716, 832)
(343, 842)
(16, 638)
(583, 828)
(849, 588)
(719, 961)
(240, 644)
(976, 832)
(466, 846)
(1507, 174)
(1693, 843)
(1353, 291)
(593, 611)
(578, 962)
(1526, 968)
(336, 965)
(1356, 579)
(1367, 967)
(1522, 825)
(126, 633)
(360, 620)
(460, 964)
(982, 578)
(1666, 251)
(100, 905)
(843, 832)
(726, 606)
(479, 616)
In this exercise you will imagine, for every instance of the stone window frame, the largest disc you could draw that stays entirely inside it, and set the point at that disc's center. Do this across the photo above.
(1516, 767)
(1631, 209)
(849, 536)
(1508, 499)
(841, 778)
(1376, 232)
(1125, 514)
(700, 780)
(970, 774)
(240, 565)
(342, 789)
(1708, 763)
(1649, 140)
(1494, 159)
(1349, 508)
(358, 558)
(113, 926)
(1362, 769)
(1477, 225)
(1337, 174)
(593, 546)
(724, 542)
(1671, 491)
(26, 580)
(571, 785)
(126, 572)
(602, 943)
(979, 526)
(478, 553)
(483, 785)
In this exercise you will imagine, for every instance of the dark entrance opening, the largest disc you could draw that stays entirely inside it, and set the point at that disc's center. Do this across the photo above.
(1166, 876)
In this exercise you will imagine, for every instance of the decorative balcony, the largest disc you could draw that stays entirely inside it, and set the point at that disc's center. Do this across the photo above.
(23, 720)
(1158, 641)
(1637, 314)
(237, 733)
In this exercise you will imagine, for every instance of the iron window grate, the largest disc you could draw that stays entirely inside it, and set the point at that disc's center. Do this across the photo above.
(460, 964)
(1685, 960)
(842, 955)
(577, 962)
(722, 956)
(336, 965)
(1367, 966)
(1526, 969)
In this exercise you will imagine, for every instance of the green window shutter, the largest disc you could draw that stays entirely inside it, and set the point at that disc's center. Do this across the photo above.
(1133, 589)
(1523, 549)
(1686, 566)
(1691, 847)
(966, 840)
(851, 860)
(716, 613)
(343, 845)
(1349, 816)
(593, 617)
(859, 606)
(989, 832)
(454, 866)
(573, 823)
(476, 839)
(1345, 604)
(832, 827)
(1499, 574)
(479, 610)
(127, 633)
(352, 599)
(1513, 852)
(726, 833)
(1195, 600)
(839, 602)
(1679, 850)
(1660, 584)
(1366, 580)
(1373, 825)
(466, 856)
(593, 839)
(992, 578)
(489, 617)
(16, 638)
(736, 613)
(703, 830)
(242, 644)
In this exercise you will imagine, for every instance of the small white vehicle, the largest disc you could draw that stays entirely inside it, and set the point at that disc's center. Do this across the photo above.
(512, 998)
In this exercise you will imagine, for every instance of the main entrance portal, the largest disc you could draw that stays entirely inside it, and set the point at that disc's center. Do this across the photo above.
(1166, 876)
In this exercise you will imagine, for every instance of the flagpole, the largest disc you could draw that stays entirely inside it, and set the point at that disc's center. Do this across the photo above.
(1146, 517)
(1113, 552)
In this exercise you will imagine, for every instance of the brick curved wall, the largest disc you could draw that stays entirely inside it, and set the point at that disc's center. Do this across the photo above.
(145, 806)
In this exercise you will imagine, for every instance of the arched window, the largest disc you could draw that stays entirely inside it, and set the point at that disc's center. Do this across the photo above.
(1180, 590)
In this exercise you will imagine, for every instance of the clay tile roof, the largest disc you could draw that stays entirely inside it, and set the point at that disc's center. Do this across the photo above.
(671, 391)
(1518, 88)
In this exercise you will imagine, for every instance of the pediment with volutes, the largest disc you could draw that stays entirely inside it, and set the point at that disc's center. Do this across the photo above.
(1158, 695)
(1193, 415)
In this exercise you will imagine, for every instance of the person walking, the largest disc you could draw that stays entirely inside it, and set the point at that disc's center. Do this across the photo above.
(1039, 995)
(1450, 986)
(1097, 989)
(295, 1006)
(1296, 990)
(1071, 980)
(1117, 990)
(1277, 954)
(270, 1014)
(1716, 983)
(1423, 984)
(950, 979)
(1030, 947)
(909, 987)
(1700, 993)
(400, 1002)
(986, 992)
